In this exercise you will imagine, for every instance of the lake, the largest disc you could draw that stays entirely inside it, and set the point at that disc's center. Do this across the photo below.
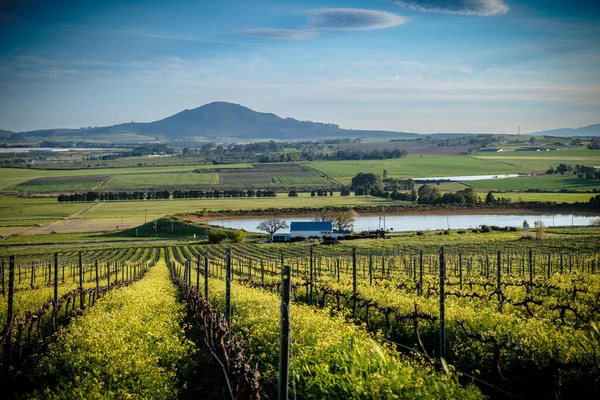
(406, 222)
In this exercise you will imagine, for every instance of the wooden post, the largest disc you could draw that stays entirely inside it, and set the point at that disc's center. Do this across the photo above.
(228, 285)
(530, 267)
(460, 270)
(81, 294)
(32, 274)
(354, 293)
(561, 262)
(310, 277)
(2, 273)
(9, 310)
(284, 333)
(442, 304)
(198, 274)
(499, 281)
(370, 269)
(421, 273)
(206, 276)
(55, 300)
(97, 278)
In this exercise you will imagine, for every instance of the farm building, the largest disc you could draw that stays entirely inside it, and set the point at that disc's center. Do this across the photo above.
(308, 229)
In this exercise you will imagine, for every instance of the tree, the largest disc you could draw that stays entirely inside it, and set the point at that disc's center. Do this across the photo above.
(489, 198)
(385, 174)
(343, 221)
(236, 236)
(272, 225)
(293, 193)
(345, 191)
(428, 194)
(324, 216)
(216, 235)
(365, 183)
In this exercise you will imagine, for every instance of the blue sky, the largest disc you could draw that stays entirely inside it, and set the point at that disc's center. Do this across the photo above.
(405, 65)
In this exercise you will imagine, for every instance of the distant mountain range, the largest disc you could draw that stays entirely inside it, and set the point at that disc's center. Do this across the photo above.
(215, 121)
(221, 121)
(591, 130)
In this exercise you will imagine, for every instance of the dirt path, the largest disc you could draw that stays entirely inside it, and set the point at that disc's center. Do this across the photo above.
(37, 230)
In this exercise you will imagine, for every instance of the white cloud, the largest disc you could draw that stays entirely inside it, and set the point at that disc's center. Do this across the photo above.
(353, 19)
(278, 33)
(462, 7)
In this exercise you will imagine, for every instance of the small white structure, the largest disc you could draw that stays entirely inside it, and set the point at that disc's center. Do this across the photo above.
(307, 230)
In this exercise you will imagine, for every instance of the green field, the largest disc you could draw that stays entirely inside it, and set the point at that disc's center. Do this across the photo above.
(297, 180)
(414, 166)
(28, 210)
(148, 180)
(61, 184)
(542, 182)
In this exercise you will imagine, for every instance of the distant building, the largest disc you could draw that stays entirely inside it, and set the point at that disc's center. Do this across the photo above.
(490, 150)
(309, 229)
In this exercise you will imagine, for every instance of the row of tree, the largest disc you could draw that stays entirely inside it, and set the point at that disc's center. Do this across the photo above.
(163, 195)
(581, 171)
(199, 194)
(344, 154)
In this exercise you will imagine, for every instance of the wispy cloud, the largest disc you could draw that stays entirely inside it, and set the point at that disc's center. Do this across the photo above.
(473, 91)
(353, 19)
(462, 7)
(339, 19)
(278, 33)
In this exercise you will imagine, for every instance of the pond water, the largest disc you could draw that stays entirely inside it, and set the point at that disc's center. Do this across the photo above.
(405, 222)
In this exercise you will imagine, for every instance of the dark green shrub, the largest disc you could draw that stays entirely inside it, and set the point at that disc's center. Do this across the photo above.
(216, 235)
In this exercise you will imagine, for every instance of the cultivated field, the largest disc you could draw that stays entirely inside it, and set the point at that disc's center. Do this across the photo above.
(516, 312)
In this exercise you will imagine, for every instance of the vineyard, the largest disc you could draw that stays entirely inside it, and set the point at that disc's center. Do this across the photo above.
(365, 322)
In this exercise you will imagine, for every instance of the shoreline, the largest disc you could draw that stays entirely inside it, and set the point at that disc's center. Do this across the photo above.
(396, 210)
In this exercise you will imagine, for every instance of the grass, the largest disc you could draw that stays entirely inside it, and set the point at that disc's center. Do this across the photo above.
(61, 184)
(34, 209)
(542, 182)
(413, 167)
(300, 180)
(173, 179)
(446, 165)
(543, 197)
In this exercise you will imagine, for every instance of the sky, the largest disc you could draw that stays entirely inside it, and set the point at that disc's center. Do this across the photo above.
(421, 66)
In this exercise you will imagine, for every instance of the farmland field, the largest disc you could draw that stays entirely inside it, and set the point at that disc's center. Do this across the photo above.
(397, 310)
(266, 175)
(416, 166)
(159, 180)
(542, 182)
(62, 184)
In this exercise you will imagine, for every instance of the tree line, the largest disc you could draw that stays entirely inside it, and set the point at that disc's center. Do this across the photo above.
(164, 195)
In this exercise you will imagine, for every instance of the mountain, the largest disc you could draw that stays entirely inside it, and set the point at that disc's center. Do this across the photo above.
(218, 121)
(590, 130)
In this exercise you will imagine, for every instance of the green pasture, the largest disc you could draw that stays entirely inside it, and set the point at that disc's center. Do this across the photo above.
(35, 211)
(542, 197)
(300, 180)
(173, 179)
(542, 182)
(414, 166)
(61, 184)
